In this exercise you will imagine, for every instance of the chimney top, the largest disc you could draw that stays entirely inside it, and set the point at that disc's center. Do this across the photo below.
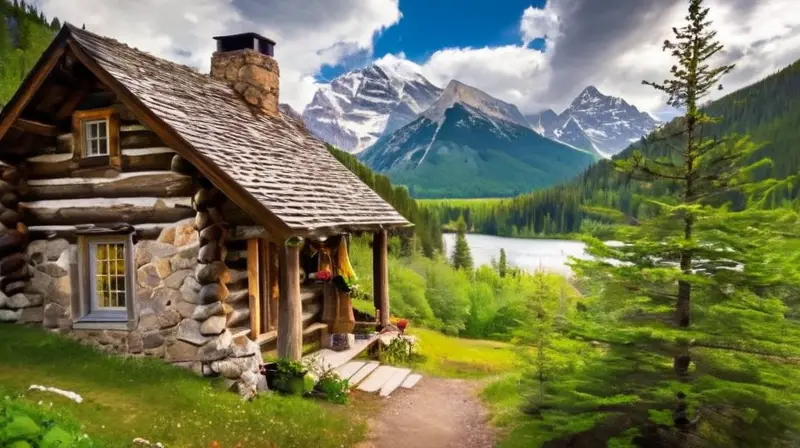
(246, 41)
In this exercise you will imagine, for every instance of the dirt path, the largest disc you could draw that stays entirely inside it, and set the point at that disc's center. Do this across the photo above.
(437, 413)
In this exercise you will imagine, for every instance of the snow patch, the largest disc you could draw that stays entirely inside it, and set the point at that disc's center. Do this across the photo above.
(146, 151)
(64, 393)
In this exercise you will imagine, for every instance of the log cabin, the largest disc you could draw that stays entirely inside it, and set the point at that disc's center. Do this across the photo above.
(157, 211)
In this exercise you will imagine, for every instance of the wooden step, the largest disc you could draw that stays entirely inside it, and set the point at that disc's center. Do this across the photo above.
(394, 382)
(411, 381)
(310, 292)
(267, 337)
(377, 379)
(314, 327)
(348, 370)
(363, 372)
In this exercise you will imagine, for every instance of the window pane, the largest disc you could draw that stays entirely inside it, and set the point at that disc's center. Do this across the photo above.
(101, 129)
(102, 146)
(110, 275)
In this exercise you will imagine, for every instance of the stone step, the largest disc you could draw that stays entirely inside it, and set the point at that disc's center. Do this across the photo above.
(349, 369)
(394, 382)
(377, 379)
(411, 381)
(363, 372)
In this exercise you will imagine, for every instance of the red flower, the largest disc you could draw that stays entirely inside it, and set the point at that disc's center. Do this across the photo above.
(323, 276)
(402, 324)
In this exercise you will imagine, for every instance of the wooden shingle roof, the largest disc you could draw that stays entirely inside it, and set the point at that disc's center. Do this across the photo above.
(286, 170)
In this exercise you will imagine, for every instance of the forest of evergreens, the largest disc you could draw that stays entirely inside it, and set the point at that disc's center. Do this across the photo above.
(24, 34)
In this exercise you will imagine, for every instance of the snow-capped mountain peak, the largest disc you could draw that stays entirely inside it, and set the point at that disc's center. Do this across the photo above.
(476, 100)
(597, 122)
(358, 107)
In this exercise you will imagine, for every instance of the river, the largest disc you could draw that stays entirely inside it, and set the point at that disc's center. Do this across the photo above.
(527, 254)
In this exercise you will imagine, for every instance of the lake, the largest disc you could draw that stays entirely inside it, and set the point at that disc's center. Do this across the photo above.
(527, 254)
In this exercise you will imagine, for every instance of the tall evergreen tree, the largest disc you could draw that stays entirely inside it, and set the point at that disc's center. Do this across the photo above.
(502, 265)
(462, 258)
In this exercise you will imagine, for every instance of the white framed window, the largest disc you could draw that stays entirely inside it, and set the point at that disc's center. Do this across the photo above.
(107, 285)
(96, 137)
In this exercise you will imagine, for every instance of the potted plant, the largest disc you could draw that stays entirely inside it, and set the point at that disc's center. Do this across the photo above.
(288, 377)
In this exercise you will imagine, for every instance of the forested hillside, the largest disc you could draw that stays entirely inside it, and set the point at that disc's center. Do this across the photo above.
(768, 111)
(24, 34)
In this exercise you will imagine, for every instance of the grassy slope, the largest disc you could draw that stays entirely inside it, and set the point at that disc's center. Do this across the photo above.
(127, 398)
(452, 357)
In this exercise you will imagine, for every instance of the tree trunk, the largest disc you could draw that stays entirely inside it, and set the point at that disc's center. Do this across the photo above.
(290, 325)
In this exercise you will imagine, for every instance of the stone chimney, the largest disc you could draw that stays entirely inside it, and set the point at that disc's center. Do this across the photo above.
(245, 61)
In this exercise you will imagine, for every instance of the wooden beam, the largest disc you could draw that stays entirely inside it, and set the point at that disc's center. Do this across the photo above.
(31, 85)
(35, 127)
(164, 184)
(69, 105)
(253, 287)
(99, 211)
(290, 322)
(232, 189)
(273, 277)
(263, 285)
(380, 274)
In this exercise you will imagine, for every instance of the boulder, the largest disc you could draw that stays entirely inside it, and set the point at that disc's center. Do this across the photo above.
(248, 385)
(169, 318)
(10, 315)
(177, 262)
(147, 275)
(210, 273)
(55, 248)
(242, 347)
(217, 348)
(175, 280)
(151, 340)
(146, 250)
(55, 316)
(52, 269)
(34, 315)
(185, 234)
(40, 282)
(179, 351)
(213, 326)
(164, 298)
(238, 317)
(204, 312)
(162, 267)
(24, 300)
(167, 235)
(190, 291)
(212, 292)
(189, 331)
(186, 309)
(148, 320)
(36, 251)
(228, 368)
(135, 342)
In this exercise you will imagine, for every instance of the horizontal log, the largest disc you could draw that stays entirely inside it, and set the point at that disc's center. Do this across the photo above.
(48, 166)
(149, 183)
(139, 139)
(35, 127)
(140, 160)
(148, 231)
(101, 210)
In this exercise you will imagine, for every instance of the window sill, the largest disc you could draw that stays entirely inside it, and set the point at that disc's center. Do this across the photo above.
(104, 321)
(122, 326)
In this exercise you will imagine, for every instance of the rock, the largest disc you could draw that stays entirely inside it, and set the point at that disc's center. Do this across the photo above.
(238, 317)
(40, 282)
(55, 316)
(178, 262)
(167, 235)
(212, 293)
(203, 312)
(236, 275)
(33, 315)
(143, 294)
(152, 339)
(55, 248)
(164, 298)
(169, 318)
(52, 269)
(185, 234)
(243, 346)
(10, 315)
(162, 267)
(61, 291)
(147, 275)
(186, 309)
(227, 368)
(238, 296)
(213, 326)
(217, 348)
(24, 300)
(210, 273)
(135, 342)
(146, 250)
(179, 351)
(248, 385)
(201, 220)
(212, 233)
(210, 253)
(190, 291)
(36, 251)
(15, 287)
(175, 280)
(262, 386)
(148, 320)
(189, 331)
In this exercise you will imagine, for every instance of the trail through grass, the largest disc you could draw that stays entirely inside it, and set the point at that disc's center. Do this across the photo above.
(126, 398)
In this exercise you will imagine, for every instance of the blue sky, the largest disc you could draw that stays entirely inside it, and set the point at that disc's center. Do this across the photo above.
(430, 25)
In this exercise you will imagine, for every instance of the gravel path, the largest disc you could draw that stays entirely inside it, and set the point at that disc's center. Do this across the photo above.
(436, 413)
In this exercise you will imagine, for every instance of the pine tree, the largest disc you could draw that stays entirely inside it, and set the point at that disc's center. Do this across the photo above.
(502, 265)
(462, 258)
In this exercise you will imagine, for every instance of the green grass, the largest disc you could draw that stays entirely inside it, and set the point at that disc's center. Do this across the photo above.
(126, 398)
(451, 357)
(456, 202)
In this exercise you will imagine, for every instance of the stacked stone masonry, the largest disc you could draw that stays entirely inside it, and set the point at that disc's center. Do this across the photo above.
(254, 76)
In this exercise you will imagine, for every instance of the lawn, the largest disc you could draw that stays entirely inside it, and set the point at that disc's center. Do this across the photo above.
(451, 357)
(125, 398)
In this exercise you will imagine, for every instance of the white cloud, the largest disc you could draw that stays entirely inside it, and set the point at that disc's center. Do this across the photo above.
(539, 23)
(308, 35)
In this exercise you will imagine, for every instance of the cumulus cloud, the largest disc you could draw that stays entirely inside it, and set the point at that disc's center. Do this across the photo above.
(539, 23)
(309, 34)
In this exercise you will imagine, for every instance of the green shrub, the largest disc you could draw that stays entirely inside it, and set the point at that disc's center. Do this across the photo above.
(332, 388)
(22, 426)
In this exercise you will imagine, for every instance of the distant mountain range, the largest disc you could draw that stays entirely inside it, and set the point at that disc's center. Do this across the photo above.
(360, 106)
(461, 142)
(469, 144)
(600, 123)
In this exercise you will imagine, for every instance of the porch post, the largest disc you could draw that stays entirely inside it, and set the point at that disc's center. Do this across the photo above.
(290, 320)
(380, 275)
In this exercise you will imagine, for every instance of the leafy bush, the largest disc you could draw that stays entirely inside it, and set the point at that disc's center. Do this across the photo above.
(399, 352)
(332, 388)
(292, 378)
(22, 427)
